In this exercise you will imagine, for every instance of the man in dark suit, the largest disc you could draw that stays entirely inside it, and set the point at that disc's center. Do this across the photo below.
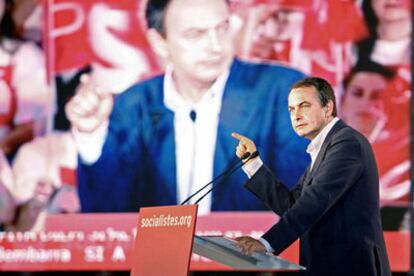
(334, 209)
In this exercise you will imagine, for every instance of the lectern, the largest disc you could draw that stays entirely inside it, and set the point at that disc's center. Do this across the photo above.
(165, 240)
(224, 251)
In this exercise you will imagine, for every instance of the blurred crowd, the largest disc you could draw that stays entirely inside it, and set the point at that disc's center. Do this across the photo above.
(362, 47)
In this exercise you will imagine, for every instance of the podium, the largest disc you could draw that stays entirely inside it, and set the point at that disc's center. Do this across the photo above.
(165, 240)
(224, 251)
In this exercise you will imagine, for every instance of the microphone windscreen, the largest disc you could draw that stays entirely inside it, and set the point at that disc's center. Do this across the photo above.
(245, 155)
(193, 115)
(254, 154)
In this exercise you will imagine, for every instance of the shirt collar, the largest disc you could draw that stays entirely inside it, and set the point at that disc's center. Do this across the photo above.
(174, 100)
(316, 143)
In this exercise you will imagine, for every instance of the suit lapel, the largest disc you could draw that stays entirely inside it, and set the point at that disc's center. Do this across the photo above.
(322, 152)
(160, 140)
(302, 182)
(235, 116)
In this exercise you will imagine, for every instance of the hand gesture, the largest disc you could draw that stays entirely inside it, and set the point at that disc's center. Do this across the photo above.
(90, 107)
(245, 145)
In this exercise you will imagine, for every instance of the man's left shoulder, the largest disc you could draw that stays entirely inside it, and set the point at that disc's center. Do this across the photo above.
(347, 132)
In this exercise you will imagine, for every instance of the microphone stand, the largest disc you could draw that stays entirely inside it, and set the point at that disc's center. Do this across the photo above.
(223, 174)
(227, 174)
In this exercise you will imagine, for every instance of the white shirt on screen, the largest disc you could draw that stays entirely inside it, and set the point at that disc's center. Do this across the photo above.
(195, 138)
(195, 141)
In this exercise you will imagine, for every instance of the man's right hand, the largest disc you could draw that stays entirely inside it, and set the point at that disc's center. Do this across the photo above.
(90, 107)
(245, 144)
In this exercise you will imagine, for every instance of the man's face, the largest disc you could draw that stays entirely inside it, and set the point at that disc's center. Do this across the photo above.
(392, 10)
(362, 106)
(198, 41)
(306, 112)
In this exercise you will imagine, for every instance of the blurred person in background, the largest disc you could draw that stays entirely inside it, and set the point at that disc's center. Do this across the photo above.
(275, 32)
(166, 137)
(389, 44)
(41, 166)
(376, 102)
(45, 180)
(25, 98)
(316, 37)
(27, 15)
(390, 24)
(7, 203)
(362, 104)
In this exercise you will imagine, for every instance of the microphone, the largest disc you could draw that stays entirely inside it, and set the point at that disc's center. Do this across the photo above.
(227, 174)
(193, 116)
(232, 165)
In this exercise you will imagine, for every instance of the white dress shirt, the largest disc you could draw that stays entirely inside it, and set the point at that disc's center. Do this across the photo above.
(315, 146)
(195, 141)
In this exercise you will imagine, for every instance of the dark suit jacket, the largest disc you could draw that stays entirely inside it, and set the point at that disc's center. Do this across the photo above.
(138, 163)
(334, 209)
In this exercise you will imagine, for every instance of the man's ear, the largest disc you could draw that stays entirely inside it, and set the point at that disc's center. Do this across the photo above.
(158, 43)
(329, 107)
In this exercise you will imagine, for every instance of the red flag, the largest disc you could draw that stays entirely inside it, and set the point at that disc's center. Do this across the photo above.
(103, 33)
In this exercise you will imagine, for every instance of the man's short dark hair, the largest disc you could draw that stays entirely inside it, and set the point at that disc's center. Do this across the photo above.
(155, 14)
(322, 87)
(368, 67)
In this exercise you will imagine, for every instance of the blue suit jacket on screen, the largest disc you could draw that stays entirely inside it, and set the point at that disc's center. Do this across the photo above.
(138, 165)
(334, 209)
